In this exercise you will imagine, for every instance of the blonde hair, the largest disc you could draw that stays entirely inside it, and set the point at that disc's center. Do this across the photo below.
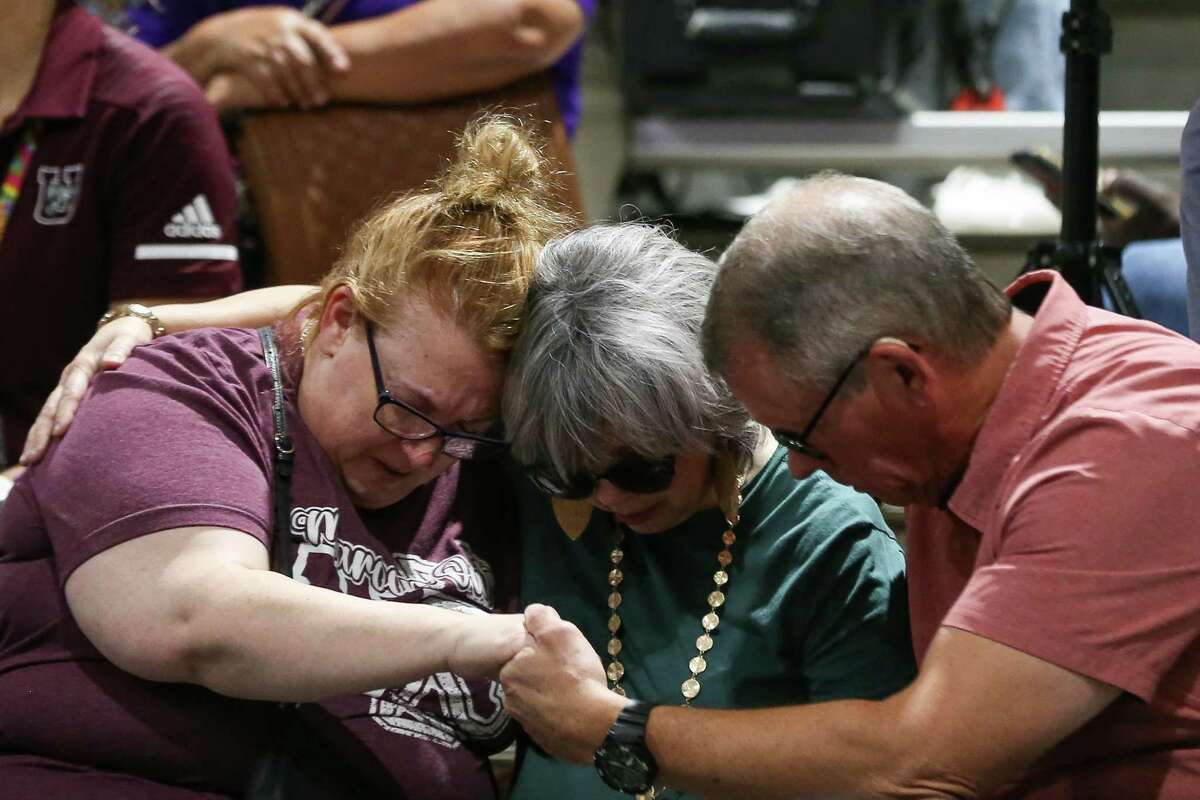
(469, 241)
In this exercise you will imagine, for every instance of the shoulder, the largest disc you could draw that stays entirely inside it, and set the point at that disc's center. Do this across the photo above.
(811, 511)
(209, 388)
(1106, 484)
(1104, 467)
(1132, 366)
(1130, 388)
(179, 435)
(134, 77)
(225, 363)
(815, 535)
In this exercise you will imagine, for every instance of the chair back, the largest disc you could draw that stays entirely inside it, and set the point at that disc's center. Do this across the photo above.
(312, 175)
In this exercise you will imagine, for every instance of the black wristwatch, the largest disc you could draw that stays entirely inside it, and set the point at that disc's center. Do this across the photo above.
(623, 760)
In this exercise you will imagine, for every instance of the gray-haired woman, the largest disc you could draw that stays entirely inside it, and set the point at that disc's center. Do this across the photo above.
(796, 594)
(693, 562)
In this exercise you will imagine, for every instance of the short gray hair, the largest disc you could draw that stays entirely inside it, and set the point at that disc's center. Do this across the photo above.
(837, 263)
(609, 358)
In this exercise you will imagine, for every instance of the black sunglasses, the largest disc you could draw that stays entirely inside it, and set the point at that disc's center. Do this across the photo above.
(798, 442)
(630, 473)
(405, 422)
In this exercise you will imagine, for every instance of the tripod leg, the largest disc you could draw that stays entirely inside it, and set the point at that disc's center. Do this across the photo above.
(1123, 300)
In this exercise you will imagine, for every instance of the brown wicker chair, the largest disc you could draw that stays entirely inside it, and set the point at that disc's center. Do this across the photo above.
(313, 174)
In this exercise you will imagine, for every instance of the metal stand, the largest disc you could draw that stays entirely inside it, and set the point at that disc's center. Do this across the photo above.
(1086, 264)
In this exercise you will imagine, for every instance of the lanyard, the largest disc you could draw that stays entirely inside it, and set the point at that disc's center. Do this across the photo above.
(10, 190)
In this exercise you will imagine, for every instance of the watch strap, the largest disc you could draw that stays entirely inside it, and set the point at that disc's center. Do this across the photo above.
(138, 310)
(630, 726)
(623, 760)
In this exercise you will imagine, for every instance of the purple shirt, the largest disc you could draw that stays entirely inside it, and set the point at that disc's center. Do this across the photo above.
(1189, 214)
(1073, 537)
(172, 18)
(129, 194)
(181, 436)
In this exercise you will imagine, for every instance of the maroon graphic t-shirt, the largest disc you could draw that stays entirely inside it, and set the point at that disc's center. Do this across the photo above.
(180, 436)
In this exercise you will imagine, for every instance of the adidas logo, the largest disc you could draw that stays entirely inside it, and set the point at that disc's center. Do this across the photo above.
(194, 221)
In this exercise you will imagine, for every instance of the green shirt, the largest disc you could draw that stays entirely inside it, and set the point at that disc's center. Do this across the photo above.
(816, 605)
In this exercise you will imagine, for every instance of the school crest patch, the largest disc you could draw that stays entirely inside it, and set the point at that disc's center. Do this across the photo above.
(58, 193)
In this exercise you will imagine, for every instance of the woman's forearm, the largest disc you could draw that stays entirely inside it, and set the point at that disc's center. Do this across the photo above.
(197, 605)
(246, 310)
(267, 637)
(193, 51)
(443, 48)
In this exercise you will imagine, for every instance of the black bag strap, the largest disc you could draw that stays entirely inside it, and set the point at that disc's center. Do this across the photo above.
(302, 765)
(281, 546)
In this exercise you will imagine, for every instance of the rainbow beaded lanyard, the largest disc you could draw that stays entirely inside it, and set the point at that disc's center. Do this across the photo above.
(10, 190)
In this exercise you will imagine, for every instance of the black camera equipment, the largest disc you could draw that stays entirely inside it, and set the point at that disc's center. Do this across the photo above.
(755, 57)
(1087, 264)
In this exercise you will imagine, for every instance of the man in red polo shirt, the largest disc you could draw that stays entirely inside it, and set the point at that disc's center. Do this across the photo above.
(1048, 453)
(118, 186)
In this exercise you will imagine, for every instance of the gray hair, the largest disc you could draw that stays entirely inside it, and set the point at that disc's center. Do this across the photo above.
(837, 263)
(609, 359)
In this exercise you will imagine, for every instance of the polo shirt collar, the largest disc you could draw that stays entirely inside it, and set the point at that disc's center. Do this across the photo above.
(1023, 401)
(68, 67)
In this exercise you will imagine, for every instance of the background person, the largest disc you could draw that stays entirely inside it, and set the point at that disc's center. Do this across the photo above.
(1043, 448)
(1189, 157)
(381, 627)
(118, 187)
(250, 54)
(1025, 60)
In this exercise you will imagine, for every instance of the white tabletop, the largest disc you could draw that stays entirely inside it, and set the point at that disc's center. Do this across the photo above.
(925, 140)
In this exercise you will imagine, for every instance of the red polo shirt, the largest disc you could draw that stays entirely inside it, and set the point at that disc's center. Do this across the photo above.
(1074, 536)
(129, 195)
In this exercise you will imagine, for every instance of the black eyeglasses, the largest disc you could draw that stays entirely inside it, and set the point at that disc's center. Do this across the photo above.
(405, 422)
(630, 473)
(798, 442)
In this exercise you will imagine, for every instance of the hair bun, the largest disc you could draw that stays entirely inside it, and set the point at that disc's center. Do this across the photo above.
(499, 162)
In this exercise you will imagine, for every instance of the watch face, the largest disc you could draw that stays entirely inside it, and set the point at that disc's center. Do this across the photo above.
(624, 767)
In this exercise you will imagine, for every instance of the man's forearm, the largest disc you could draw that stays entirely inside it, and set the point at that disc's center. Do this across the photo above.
(977, 716)
(433, 50)
(846, 748)
(842, 748)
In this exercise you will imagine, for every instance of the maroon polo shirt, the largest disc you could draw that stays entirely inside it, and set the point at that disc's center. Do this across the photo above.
(129, 195)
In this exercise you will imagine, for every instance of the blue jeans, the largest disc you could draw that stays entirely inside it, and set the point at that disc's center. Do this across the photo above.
(1156, 272)
(1026, 61)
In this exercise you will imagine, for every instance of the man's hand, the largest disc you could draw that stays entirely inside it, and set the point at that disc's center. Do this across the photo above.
(284, 54)
(484, 643)
(1155, 208)
(555, 687)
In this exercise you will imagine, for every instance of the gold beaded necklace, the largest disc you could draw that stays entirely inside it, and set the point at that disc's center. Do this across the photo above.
(690, 688)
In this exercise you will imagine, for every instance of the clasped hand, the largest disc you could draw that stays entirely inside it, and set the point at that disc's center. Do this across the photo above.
(270, 56)
(555, 687)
